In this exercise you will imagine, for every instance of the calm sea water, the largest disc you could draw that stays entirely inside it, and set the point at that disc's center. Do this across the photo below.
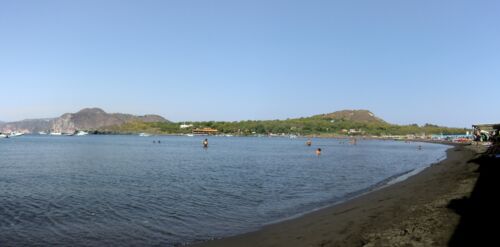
(127, 190)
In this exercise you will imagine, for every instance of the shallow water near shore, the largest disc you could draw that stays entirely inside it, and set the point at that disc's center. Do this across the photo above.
(127, 190)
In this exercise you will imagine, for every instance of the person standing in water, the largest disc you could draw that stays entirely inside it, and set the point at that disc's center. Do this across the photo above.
(308, 142)
(353, 141)
(205, 143)
(318, 151)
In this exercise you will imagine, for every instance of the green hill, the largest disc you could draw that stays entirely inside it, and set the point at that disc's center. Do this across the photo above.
(363, 116)
(346, 122)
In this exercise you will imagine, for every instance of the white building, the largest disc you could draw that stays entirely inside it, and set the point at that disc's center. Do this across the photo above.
(185, 126)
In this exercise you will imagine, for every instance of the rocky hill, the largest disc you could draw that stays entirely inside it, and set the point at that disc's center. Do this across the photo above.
(27, 125)
(86, 119)
(363, 116)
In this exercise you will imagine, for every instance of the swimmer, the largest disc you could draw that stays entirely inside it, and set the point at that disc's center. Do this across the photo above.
(318, 151)
(308, 142)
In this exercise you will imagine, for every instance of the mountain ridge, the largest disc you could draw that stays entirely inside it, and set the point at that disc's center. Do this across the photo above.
(85, 119)
(338, 122)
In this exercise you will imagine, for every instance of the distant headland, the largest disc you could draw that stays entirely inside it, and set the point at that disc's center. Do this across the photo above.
(86, 119)
(339, 123)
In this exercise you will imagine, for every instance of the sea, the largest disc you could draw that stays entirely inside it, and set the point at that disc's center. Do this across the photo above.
(125, 190)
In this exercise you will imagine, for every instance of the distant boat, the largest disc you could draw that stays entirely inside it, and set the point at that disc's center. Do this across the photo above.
(82, 133)
(293, 136)
(3, 136)
(144, 134)
(15, 133)
(42, 133)
(189, 134)
(55, 133)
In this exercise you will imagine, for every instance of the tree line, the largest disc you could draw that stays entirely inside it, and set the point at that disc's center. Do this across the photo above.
(300, 126)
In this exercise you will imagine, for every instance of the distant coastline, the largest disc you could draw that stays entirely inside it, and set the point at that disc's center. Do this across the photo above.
(350, 123)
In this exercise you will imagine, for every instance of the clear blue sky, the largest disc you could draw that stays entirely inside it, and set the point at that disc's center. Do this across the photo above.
(407, 61)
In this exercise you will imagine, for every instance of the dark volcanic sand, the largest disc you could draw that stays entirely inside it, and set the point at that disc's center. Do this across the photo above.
(414, 212)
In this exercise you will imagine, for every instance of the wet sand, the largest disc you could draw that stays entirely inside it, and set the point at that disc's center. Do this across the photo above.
(414, 212)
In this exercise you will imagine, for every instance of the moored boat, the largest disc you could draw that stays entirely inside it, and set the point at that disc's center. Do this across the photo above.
(15, 133)
(81, 133)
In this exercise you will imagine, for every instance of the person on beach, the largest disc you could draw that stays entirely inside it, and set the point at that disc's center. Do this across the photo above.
(318, 151)
(205, 143)
(308, 142)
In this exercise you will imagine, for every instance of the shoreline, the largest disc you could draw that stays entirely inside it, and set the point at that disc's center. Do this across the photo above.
(413, 211)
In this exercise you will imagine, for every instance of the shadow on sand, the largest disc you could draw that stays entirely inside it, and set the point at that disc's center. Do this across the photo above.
(479, 213)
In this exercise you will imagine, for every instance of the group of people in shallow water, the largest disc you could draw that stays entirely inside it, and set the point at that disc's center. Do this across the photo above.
(205, 142)
(309, 143)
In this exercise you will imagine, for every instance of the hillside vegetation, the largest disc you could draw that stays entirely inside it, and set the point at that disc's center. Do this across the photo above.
(360, 122)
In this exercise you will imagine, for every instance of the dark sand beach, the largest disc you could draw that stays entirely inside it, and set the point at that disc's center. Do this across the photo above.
(428, 209)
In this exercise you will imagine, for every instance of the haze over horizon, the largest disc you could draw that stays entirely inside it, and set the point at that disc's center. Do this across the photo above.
(407, 62)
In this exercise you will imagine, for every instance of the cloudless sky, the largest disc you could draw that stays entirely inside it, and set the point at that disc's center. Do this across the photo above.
(414, 61)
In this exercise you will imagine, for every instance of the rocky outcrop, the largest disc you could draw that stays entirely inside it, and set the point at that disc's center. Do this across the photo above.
(95, 118)
(27, 126)
(86, 119)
